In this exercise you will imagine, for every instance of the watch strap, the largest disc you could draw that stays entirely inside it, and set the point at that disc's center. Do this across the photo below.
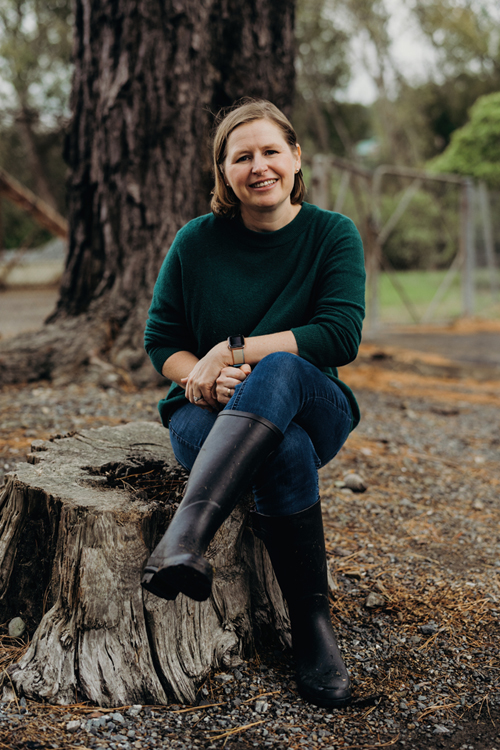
(238, 356)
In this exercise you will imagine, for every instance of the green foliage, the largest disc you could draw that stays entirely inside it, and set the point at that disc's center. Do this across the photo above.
(464, 34)
(19, 229)
(35, 51)
(16, 225)
(475, 148)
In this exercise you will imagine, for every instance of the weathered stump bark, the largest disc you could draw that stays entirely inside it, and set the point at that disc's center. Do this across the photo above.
(77, 523)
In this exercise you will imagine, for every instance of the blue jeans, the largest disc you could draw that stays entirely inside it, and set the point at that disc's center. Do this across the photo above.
(311, 411)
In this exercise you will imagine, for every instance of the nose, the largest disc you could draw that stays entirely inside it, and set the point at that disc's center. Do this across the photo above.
(259, 164)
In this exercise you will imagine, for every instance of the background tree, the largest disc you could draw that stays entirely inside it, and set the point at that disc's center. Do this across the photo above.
(474, 149)
(35, 74)
(147, 78)
(323, 122)
(35, 45)
(414, 111)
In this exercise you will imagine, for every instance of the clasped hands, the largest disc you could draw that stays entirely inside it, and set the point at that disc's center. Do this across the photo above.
(212, 381)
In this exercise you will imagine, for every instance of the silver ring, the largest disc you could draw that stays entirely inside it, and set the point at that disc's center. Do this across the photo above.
(197, 398)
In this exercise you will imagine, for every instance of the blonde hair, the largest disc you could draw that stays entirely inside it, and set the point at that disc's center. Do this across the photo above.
(224, 202)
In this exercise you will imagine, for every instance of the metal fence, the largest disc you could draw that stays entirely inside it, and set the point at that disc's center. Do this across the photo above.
(424, 220)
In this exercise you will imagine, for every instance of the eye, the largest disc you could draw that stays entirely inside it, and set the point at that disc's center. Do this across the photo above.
(271, 151)
(242, 158)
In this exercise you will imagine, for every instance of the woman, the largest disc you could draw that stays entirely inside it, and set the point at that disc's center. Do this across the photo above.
(255, 306)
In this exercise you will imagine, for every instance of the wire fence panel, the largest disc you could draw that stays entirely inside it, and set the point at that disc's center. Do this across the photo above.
(432, 242)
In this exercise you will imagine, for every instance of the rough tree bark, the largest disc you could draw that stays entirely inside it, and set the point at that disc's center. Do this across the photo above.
(77, 524)
(148, 76)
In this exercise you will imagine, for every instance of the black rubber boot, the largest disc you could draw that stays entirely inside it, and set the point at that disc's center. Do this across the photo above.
(296, 546)
(235, 448)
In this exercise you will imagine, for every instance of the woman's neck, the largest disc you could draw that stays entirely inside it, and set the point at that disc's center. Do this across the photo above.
(269, 221)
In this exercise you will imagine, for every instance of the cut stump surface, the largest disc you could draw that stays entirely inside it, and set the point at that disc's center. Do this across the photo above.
(77, 524)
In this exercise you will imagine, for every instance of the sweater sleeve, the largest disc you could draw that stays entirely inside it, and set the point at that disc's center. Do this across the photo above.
(332, 336)
(166, 328)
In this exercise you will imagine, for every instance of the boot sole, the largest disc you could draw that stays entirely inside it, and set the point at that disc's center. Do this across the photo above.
(190, 574)
(321, 698)
(152, 582)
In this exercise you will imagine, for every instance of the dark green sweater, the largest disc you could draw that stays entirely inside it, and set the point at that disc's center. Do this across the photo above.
(220, 278)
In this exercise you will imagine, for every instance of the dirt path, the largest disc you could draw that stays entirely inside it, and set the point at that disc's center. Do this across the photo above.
(25, 309)
(474, 342)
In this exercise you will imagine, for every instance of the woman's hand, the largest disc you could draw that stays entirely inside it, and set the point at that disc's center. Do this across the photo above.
(200, 384)
(227, 381)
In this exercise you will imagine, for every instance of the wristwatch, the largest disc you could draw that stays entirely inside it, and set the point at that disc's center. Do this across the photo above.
(236, 345)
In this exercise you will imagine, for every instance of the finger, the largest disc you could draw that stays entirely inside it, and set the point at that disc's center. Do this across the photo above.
(208, 397)
(233, 372)
(225, 392)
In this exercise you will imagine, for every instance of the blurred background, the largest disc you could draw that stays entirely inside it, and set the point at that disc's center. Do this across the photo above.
(397, 107)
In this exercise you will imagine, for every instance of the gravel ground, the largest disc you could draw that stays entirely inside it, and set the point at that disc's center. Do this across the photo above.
(415, 567)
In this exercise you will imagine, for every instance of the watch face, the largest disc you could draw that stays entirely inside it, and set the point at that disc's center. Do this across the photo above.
(236, 342)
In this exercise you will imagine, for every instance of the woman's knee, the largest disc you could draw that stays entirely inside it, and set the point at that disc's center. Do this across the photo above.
(280, 362)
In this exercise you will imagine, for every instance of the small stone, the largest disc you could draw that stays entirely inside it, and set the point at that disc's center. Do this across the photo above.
(355, 483)
(224, 677)
(478, 505)
(261, 706)
(439, 729)
(118, 718)
(17, 627)
(429, 628)
(374, 600)
(73, 726)
(134, 710)
(340, 552)
(406, 503)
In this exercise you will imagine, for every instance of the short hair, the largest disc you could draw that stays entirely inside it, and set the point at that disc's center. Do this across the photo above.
(224, 201)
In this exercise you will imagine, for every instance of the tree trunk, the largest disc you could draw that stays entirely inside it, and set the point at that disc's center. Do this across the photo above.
(77, 525)
(148, 78)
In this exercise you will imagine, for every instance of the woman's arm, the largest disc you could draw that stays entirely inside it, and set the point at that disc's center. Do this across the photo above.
(202, 379)
(178, 366)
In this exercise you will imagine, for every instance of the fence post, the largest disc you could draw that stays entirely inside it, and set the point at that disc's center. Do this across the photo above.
(489, 244)
(372, 263)
(467, 247)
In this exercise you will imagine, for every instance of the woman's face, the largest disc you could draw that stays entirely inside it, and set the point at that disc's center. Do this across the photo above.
(260, 167)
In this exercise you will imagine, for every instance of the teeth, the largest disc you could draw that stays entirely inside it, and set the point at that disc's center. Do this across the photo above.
(263, 184)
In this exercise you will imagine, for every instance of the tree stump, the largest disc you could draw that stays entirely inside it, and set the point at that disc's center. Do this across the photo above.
(77, 524)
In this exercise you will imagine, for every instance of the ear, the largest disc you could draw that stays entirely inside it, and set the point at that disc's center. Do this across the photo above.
(298, 161)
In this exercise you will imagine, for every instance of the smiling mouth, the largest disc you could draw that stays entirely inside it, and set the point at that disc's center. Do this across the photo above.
(264, 183)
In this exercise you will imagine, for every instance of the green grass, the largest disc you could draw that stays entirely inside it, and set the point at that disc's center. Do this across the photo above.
(421, 286)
